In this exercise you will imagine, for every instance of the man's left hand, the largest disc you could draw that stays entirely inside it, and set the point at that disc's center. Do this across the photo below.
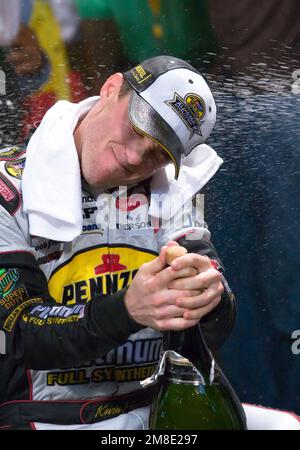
(203, 290)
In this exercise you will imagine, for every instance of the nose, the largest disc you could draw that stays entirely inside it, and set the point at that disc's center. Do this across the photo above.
(138, 151)
(135, 157)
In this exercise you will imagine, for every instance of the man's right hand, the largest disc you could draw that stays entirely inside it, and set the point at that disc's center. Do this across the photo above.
(151, 303)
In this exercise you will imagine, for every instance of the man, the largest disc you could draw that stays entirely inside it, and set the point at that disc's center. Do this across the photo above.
(84, 280)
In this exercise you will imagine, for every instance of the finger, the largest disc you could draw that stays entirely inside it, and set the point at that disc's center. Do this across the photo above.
(176, 324)
(192, 293)
(161, 261)
(204, 299)
(165, 249)
(197, 314)
(200, 262)
(157, 264)
(167, 275)
(200, 281)
(172, 243)
(183, 273)
(169, 297)
(168, 312)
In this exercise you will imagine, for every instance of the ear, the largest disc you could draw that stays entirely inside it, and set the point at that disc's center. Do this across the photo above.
(112, 86)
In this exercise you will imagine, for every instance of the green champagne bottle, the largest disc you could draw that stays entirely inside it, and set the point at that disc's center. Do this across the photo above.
(194, 393)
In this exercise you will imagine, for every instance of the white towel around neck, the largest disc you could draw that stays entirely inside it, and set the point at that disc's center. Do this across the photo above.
(195, 171)
(51, 181)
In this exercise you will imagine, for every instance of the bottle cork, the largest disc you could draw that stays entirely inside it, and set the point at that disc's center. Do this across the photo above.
(174, 252)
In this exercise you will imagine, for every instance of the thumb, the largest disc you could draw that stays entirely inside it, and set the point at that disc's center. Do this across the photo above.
(172, 243)
(158, 263)
(203, 263)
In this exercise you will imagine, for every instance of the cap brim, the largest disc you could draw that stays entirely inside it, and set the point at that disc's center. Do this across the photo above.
(147, 121)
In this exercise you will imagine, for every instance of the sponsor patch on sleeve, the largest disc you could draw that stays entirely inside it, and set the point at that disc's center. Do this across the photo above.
(15, 168)
(13, 316)
(9, 196)
(11, 153)
(8, 279)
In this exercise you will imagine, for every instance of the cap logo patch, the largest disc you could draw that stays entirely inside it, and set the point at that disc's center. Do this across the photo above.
(191, 111)
(140, 74)
(15, 168)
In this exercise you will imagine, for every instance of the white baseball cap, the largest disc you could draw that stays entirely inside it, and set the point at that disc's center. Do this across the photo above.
(172, 104)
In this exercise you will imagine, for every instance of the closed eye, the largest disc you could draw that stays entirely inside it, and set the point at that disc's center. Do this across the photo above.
(157, 152)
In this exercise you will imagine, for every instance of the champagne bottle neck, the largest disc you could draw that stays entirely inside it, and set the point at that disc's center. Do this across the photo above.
(182, 371)
(190, 344)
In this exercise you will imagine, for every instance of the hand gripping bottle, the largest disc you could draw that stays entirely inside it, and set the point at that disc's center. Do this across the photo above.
(194, 394)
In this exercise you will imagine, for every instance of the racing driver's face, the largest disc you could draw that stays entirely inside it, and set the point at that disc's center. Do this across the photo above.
(111, 152)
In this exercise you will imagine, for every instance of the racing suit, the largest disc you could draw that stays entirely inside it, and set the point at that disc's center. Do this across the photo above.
(71, 356)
